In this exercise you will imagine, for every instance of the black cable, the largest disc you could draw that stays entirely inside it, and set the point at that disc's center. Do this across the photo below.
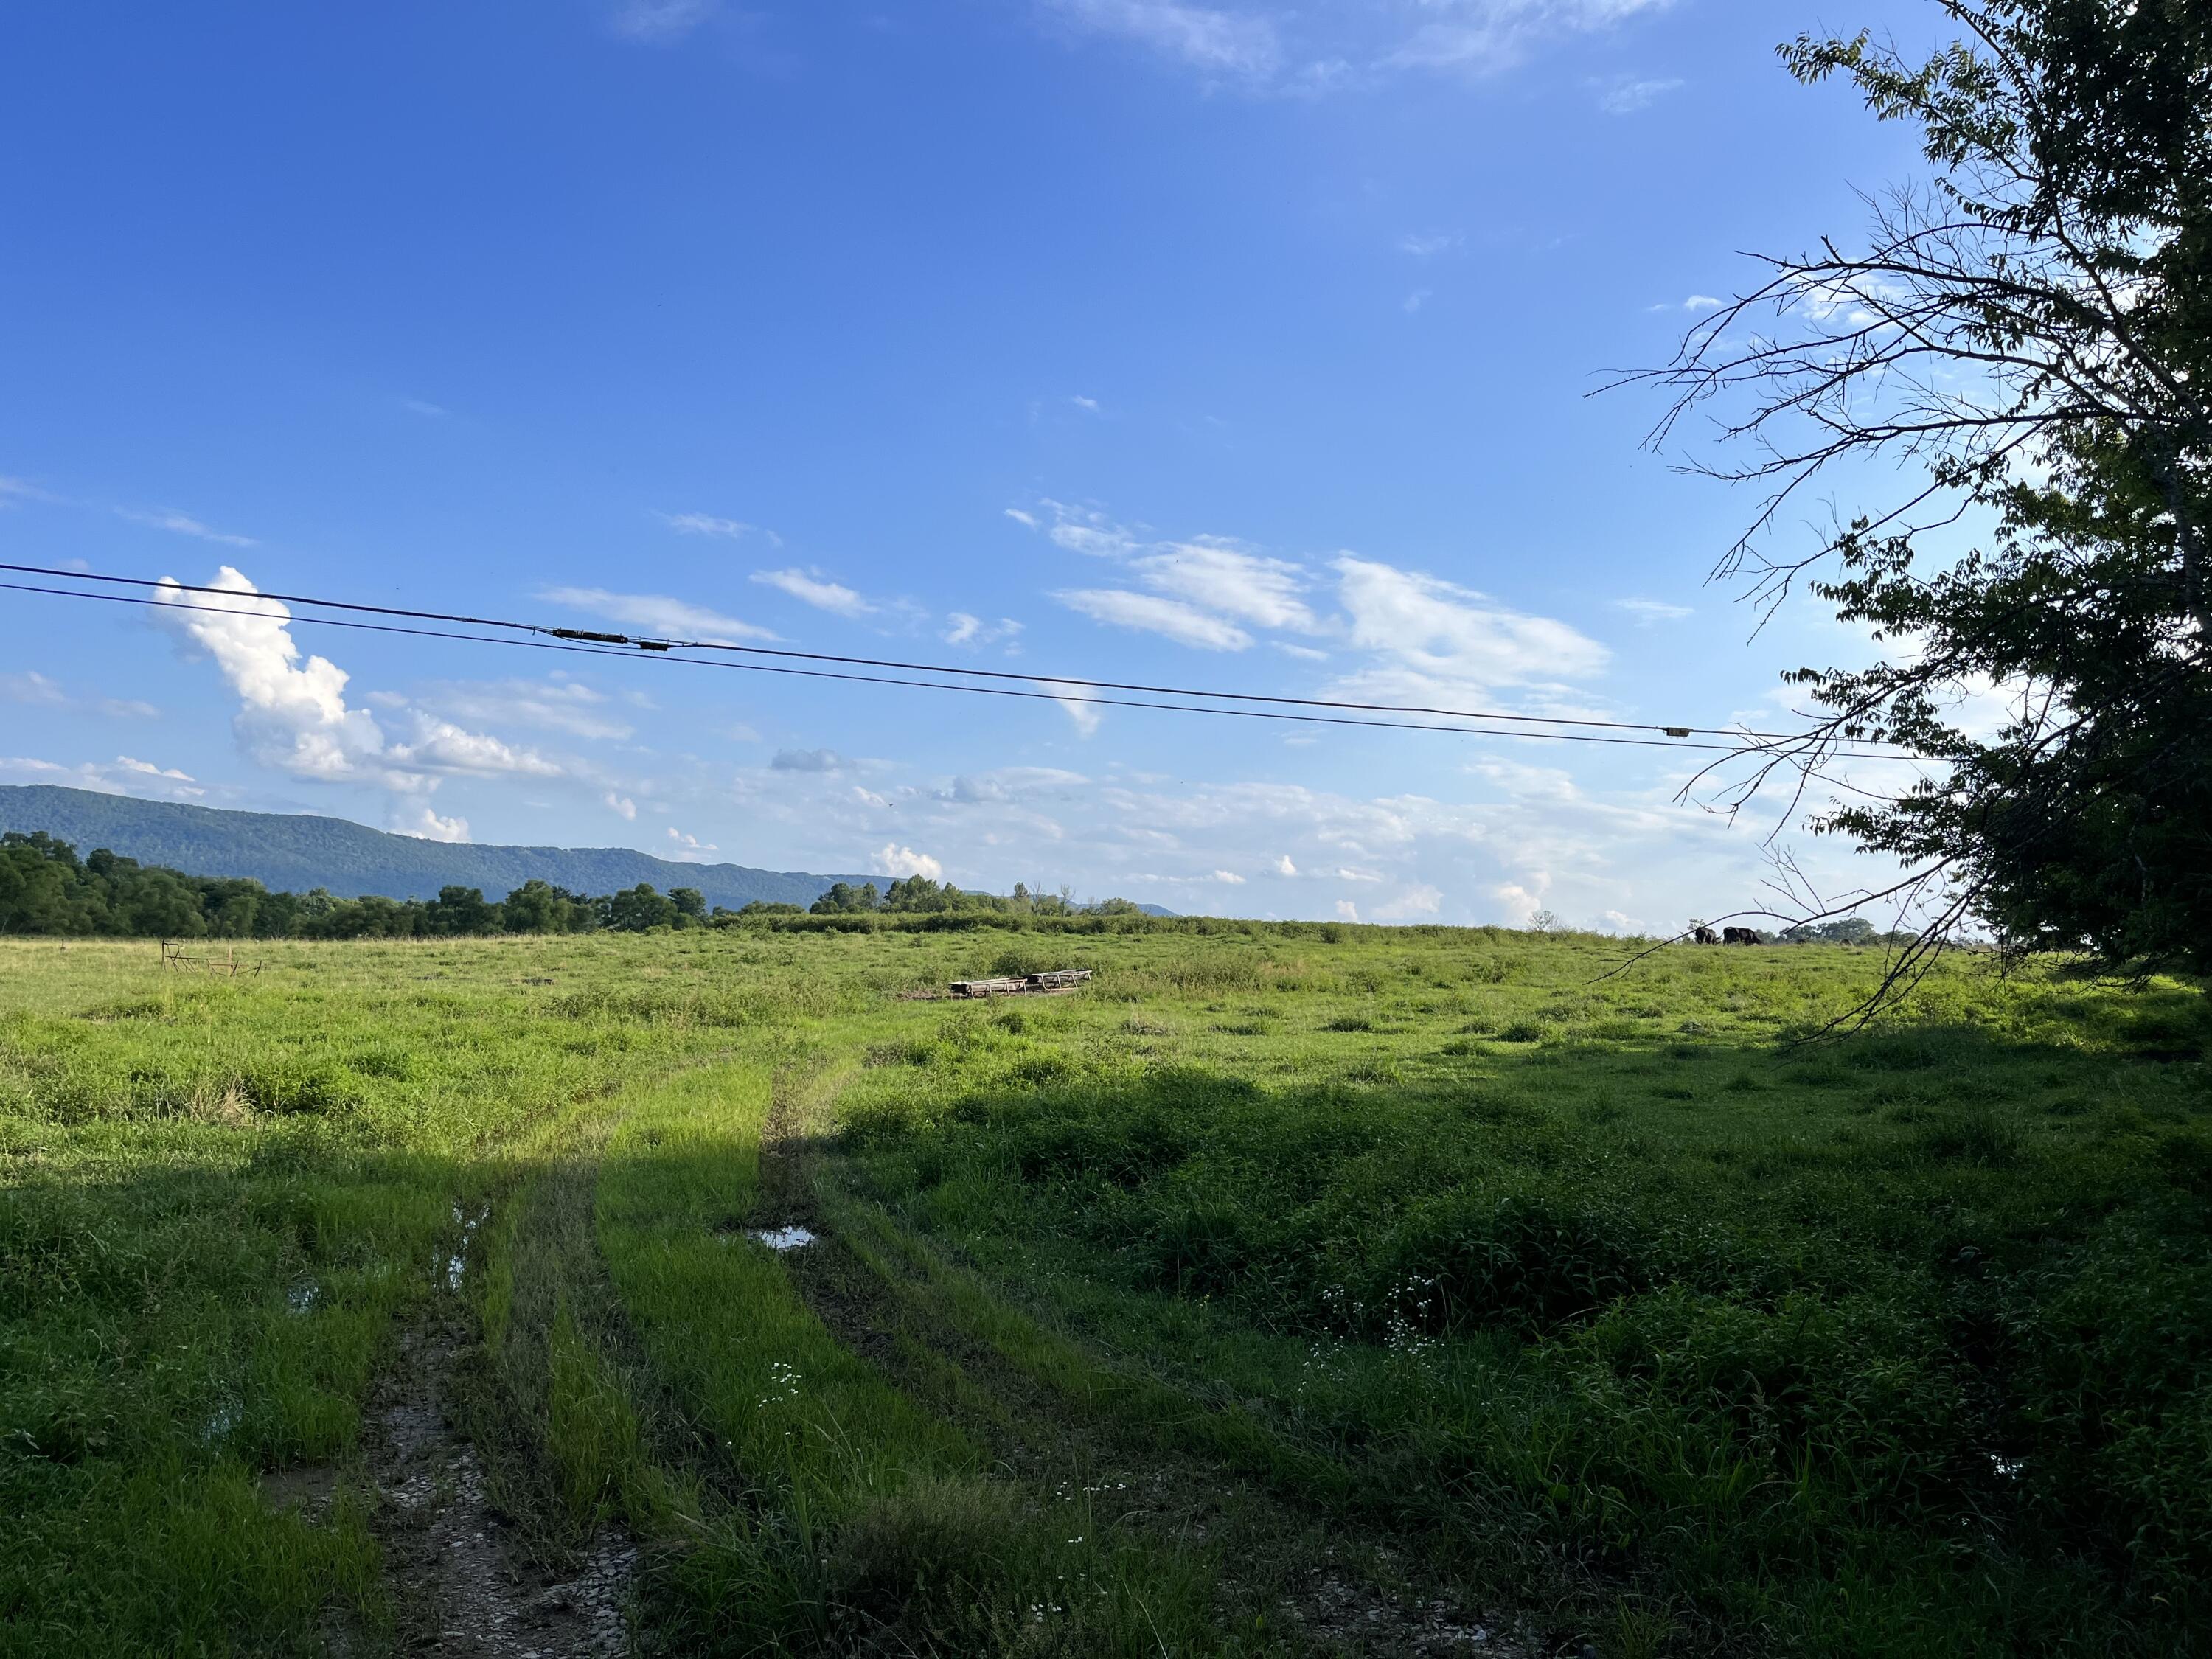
(603, 650)
(649, 643)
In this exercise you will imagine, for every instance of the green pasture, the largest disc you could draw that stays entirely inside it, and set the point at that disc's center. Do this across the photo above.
(1278, 1272)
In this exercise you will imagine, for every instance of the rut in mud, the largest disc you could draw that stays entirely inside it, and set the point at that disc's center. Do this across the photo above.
(462, 1583)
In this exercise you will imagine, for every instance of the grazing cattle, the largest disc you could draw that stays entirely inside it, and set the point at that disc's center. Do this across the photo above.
(1706, 936)
(1740, 936)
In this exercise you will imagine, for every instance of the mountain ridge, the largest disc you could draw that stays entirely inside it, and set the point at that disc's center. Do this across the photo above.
(303, 851)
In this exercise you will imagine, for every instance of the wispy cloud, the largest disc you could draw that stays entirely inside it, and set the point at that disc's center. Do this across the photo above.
(806, 760)
(1085, 716)
(182, 525)
(1428, 244)
(961, 629)
(13, 490)
(1628, 96)
(705, 524)
(1413, 301)
(1648, 611)
(1150, 613)
(35, 689)
(689, 847)
(811, 587)
(1695, 303)
(425, 408)
(1433, 633)
(1224, 576)
(125, 776)
(655, 22)
(658, 613)
(1088, 405)
(556, 704)
(1239, 45)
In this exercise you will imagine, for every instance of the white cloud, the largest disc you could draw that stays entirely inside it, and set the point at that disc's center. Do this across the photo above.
(1421, 900)
(149, 769)
(689, 847)
(1149, 613)
(182, 526)
(1413, 301)
(125, 777)
(1088, 405)
(33, 687)
(442, 746)
(1648, 611)
(556, 704)
(1242, 44)
(1481, 36)
(1303, 653)
(1434, 634)
(621, 804)
(965, 630)
(1627, 96)
(293, 714)
(1020, 517)
(658, 21)
(1284, 867)
(809, 587)
(658, 613)
(1087, 716)
(705, 524)
(425, 408)
(1229, 877)
(13, 490)
(1348, 910)
(426, 825)
(806, 760)
(1223, 576)
(1423, 245)
(893, 859)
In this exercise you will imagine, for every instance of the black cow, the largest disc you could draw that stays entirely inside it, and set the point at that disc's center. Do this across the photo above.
(1706, 936)
(1740, 936)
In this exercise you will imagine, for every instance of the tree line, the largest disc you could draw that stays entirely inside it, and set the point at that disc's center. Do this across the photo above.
(46, 889)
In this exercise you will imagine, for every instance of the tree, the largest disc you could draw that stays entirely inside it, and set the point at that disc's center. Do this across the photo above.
(636, 909)
(2032, 332)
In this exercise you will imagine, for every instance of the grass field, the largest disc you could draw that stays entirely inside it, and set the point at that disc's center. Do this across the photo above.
(1286, 1290)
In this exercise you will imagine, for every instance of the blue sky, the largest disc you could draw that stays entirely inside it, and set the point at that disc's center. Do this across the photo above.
(1246, 346)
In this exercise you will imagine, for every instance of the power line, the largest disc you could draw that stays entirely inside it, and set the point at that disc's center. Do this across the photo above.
(657, 645)
(606, 647)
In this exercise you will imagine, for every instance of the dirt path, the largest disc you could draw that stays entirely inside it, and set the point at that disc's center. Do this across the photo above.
(462, 1583)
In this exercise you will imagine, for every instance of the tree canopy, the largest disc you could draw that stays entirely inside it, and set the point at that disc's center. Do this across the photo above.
(2031, 332)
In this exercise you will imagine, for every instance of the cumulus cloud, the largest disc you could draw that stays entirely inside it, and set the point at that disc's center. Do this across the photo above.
(1412, 904)
(689, 847)
(440, 746)
(658, 613)
(1284, 867)
(705, 524)
(809, 587)
(806, 760)
(621, 804)
(293, 714)
(893, 859)
(1150, 613)
(424, 825)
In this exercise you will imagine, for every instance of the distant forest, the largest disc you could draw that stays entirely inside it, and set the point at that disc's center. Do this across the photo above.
(46, 889)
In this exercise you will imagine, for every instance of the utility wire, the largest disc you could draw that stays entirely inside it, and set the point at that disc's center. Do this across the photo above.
(657, 645)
